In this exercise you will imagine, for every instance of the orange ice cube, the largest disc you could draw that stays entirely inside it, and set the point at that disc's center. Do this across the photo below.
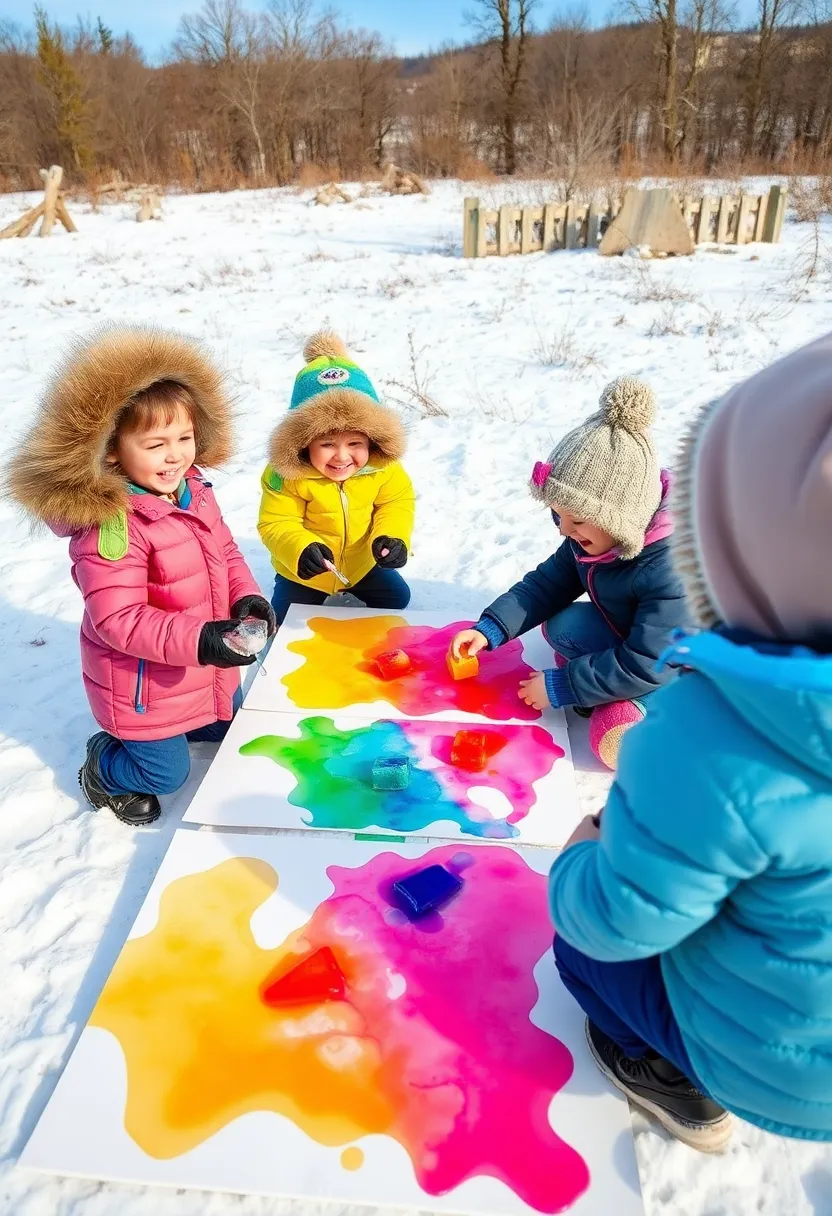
(464, 667)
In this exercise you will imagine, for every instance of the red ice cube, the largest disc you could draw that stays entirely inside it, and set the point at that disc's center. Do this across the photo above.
(469, 750)
(314, 979)
(393, 663)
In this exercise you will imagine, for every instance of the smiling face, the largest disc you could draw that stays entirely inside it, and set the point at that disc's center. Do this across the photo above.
(157, 458)
(339, 455)
(593, 540)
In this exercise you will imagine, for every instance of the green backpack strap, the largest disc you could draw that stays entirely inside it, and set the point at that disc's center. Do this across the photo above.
(113, 541)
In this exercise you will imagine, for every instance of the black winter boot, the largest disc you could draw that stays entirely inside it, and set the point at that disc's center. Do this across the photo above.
(136, 809)
(658, 1087)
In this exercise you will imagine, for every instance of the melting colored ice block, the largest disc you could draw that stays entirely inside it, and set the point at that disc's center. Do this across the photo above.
(469, 750)
(391, 773)
(464, 667)
(393, 663)
(314, 979)
(425, 891)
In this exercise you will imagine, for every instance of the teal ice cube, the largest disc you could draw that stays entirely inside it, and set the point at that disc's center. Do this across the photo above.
(391, 773)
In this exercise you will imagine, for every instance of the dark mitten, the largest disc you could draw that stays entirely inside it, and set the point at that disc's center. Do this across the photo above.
(311, 561)
(389, 552)
(212, 650)
(255, 605)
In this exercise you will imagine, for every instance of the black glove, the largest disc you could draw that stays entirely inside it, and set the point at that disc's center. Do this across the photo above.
(212, 650)
(396, 552)
(255, 605)
(311, 561)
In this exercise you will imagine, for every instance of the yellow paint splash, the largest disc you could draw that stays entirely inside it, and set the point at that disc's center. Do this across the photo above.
(202, 1048)
(352, 1158)
(336, 672)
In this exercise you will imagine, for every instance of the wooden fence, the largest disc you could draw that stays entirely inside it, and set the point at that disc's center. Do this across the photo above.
(731, 219)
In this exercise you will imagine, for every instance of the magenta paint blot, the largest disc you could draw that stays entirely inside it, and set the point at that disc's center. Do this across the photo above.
(468, 1074)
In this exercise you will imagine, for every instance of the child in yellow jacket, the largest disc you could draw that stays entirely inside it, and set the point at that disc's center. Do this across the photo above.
(335, 496)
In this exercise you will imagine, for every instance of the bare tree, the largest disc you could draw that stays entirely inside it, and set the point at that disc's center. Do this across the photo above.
(230, 40)
(772, 17)
(702, 21)
(578, 125)
(664, 15)
(507, 23)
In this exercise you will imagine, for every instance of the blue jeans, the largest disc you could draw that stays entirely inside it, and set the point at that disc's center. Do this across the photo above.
(379, 589)
(155, 766)
(628, 1001)
(581, 629)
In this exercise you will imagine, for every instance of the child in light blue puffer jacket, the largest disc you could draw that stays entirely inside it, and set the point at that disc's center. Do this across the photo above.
(695, 926)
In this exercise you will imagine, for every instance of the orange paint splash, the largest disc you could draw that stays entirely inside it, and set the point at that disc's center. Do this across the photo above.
(203, 1048)
(340, 670)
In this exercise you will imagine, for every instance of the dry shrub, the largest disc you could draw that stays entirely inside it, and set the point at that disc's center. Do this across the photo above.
(810, 198)
(309, 175)
(472, 169)
(563, 348)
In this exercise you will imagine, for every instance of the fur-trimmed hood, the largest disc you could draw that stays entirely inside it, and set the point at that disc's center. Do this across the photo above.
(686, 556)
(333, 408)
(58, 473)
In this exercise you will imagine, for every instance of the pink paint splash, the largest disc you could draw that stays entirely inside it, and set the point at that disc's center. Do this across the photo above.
(468, 1077)
(526, 754)
(430, 686)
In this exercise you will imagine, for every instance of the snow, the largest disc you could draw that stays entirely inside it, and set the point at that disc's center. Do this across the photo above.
(514, 351)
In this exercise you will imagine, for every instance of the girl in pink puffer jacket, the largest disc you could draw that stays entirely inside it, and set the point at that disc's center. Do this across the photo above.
(111, 463)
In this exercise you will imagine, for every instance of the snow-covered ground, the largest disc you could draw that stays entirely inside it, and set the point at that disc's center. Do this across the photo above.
(513, 352)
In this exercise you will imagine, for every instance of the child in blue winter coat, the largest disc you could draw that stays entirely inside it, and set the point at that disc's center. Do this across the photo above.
(695, 928)
(607, 494)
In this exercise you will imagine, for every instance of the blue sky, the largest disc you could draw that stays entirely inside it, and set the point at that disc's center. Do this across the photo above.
(410, 25)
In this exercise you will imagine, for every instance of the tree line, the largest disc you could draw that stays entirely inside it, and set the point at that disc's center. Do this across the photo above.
(248, 98)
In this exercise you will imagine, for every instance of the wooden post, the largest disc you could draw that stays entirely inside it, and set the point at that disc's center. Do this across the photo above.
(24, 225)
(548, 227)
(742, 219)
(593, 224)
(482, 232)
(570, 235)
(722, 221)
(526, 218)
(470, 217)
(781, 213)
(759, 228)
(504, 224)
(703, 231)
(52, 184)
(774, 214)
(63, 215)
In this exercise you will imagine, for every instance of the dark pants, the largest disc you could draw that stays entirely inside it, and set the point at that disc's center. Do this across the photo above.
(155, 766)
(378, 589)
(628, 1001)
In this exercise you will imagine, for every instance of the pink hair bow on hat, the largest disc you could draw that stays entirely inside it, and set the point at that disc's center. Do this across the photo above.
(540, 473)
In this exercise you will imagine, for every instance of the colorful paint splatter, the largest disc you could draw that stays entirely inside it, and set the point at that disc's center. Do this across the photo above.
(433, 1047)
(334, 772)
(339, 670)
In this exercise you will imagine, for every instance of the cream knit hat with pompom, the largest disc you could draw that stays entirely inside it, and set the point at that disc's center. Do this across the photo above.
(606, 471)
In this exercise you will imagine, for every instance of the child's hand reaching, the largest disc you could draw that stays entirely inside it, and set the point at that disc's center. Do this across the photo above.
(469, 642)
(533, 691)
